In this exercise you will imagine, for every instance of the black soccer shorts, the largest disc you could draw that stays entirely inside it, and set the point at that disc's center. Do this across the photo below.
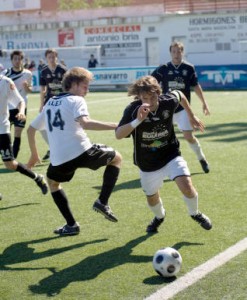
(94, 158)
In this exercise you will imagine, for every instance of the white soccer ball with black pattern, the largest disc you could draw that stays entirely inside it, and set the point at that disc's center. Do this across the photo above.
(167, 262)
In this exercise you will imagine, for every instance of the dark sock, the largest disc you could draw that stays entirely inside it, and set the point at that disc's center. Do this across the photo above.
(16, 146)
(62, 203)
(109, 180)
(25, 171)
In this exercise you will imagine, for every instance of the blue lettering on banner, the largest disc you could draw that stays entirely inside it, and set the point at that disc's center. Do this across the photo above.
(27, 45)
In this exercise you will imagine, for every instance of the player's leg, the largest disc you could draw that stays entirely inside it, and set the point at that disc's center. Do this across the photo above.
(182, 120)
(96, 157)
(191, 199)
(17, 141)
(11, 164)
(19, 126)
(60, 199)
(110, 177)
(151, 182)
(178, 171)
(196, 147)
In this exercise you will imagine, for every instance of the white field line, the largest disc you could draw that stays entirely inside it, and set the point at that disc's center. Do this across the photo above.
(91, 102)
(199, 272)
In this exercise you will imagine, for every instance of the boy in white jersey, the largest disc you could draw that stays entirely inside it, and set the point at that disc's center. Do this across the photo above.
(23, 82)
(10, 95)
(65, 117)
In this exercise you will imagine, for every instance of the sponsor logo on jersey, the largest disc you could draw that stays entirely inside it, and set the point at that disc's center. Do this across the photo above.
(184, 72)
(166, 114)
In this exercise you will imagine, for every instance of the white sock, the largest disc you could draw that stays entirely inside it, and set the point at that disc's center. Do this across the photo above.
(158, 210)
(192, 205)
(196, 147)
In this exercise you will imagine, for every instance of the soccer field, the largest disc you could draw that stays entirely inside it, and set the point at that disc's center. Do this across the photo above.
(114, 260)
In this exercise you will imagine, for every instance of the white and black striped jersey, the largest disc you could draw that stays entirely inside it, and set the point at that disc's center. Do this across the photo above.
(9, 95)
(19, 78)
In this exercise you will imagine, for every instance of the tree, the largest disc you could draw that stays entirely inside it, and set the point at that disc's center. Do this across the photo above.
(78, 4)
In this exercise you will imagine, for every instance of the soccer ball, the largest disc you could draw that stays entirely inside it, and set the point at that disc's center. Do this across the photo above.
(167, 262)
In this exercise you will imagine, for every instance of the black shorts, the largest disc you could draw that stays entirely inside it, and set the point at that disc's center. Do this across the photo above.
(14, 121)
(6, 149)
(94, 158)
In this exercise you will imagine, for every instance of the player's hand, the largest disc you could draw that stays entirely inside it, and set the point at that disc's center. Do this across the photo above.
(33, 161)
(20, 117)
(143, 111)
(205, 109)
(197, 124)
(26, 86)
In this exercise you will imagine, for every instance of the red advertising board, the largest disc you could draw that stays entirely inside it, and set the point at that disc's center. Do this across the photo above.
(66, 37)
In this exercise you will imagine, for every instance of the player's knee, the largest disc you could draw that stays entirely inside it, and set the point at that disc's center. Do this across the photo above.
(10, 165)
(189, 137)
(117, 160)
(189, 191)
(53, 185)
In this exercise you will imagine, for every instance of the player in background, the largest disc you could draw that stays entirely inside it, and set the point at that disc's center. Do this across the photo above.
(23, 81)
(10, 94)
(50, 82)
(156, 149)
(66, 117)
(181, 75)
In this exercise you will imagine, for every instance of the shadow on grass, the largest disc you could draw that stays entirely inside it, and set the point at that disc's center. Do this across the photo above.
(5, 171)
(90, 267)
(155, 280)
(16, 206)
(22, 252)
(226, 132)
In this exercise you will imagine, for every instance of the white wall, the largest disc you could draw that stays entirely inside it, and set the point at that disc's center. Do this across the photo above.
(125, 44)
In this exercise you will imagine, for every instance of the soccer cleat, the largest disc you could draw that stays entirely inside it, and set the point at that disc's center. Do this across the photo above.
(41, 183)
(47, 155)
(204, 165)
(153, 226)
(105, 210)
(203, 220)
(68, 230)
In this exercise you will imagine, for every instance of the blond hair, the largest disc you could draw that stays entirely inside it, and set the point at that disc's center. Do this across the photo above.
(76, 75)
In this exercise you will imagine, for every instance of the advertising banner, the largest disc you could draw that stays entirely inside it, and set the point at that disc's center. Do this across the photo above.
(228, 77)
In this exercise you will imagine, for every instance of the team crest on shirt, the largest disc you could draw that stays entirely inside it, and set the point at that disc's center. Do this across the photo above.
(184, 72)
(166, 114)
(170, 72)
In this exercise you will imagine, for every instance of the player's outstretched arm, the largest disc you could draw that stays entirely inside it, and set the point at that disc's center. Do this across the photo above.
(199, 93)
(90, 124)
(126, 129)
